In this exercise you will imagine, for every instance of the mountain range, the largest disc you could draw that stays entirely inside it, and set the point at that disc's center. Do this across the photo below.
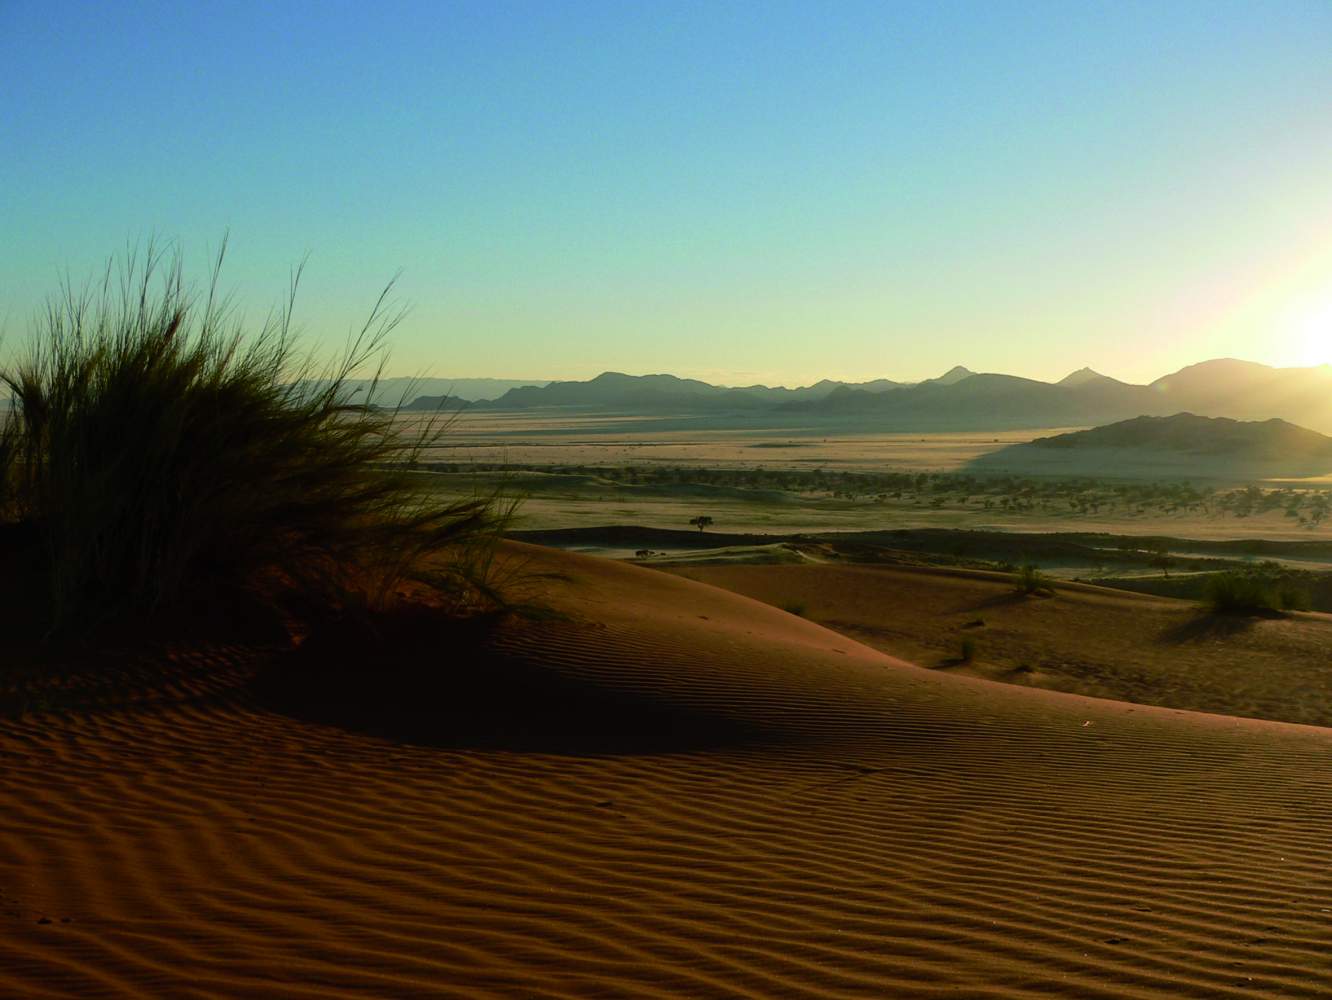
(418, 391)
(669, 393)
(959, 400)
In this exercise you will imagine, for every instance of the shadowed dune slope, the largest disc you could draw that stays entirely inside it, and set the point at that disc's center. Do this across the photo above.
(852, 827)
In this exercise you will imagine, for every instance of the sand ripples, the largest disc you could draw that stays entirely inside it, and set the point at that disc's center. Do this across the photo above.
(891, 833)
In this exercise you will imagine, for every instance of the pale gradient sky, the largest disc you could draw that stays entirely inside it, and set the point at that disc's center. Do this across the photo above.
(740, 192)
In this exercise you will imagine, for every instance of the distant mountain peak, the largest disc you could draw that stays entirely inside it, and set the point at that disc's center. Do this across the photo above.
(1081, 377)
(1218, 369)
(955, 374)
(1221, 364)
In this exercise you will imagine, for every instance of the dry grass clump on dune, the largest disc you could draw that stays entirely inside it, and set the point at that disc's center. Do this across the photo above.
(156, 448)
(1250, 594)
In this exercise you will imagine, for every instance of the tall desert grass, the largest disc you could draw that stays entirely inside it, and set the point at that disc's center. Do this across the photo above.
(158, 448)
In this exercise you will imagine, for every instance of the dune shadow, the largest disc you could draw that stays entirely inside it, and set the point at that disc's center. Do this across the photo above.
(429, 681)
(1209, 625)
(200, 649)
(1008, 598)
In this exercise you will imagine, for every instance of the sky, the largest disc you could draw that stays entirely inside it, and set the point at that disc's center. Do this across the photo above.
(763, 192)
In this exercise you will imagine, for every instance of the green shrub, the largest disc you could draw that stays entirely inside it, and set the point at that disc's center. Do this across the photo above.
(1240, 593)
(1030, 580)
(159, 449)
(1293, 598)
(968, 651)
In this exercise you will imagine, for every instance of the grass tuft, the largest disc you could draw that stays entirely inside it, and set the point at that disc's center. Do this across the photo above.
(160, 450)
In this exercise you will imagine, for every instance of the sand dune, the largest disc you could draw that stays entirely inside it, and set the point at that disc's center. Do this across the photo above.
(791, 813)
(1088, 640)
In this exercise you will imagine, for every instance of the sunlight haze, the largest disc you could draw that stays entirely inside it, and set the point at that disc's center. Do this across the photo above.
(741, 192)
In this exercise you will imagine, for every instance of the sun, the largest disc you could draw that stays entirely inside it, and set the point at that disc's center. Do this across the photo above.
(1311, 341)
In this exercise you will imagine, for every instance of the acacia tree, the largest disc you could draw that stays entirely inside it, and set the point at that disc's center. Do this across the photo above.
(701, 522)
(1162, 559)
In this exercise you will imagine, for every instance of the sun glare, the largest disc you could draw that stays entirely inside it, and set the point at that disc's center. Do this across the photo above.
(1312, 340)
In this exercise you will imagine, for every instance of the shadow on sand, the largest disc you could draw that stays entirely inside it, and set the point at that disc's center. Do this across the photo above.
(1210, 625)
(1007, 599)
(426, 680)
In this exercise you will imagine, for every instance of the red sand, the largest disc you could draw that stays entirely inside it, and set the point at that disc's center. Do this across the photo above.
(804, 816)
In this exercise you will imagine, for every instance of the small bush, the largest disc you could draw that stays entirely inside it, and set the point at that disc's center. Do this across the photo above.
(1293, 598)
(795, 609)
(159, 449)
(1240, 593)
(1030, 580)
(968, 651)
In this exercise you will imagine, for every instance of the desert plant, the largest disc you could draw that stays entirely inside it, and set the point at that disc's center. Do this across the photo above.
(796, 609)
(1239, 593)
(1030, 580)
(159, 448)
(1293, 598)
(1162, 559)
(701, 522)
(968, 650)
(8, 446)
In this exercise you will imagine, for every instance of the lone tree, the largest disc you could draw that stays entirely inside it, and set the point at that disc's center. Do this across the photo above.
(702, 521)
(1162, 559)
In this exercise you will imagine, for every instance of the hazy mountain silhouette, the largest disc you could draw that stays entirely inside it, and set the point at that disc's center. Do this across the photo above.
(1184, 444)
(419, 391)
(1187, 433)
(1224, 388)
(950, 377)
(1086, 376)
(433, 403)
(958, 400)
(669, 393)
(985, 402)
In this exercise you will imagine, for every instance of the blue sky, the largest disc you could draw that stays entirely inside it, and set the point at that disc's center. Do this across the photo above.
(741, 192)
